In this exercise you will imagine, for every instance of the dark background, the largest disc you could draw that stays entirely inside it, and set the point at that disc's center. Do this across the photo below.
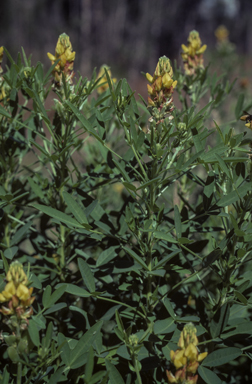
(127, 35)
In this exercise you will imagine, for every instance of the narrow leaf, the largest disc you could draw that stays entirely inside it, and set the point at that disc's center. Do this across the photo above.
(86, 274)
(221, 356)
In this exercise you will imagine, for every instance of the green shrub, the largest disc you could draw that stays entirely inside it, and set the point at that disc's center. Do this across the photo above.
(132, 220)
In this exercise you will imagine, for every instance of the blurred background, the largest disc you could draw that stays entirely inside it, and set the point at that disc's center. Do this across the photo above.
(127, 35)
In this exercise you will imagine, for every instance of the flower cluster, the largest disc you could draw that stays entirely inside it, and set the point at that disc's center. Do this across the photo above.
(103, 83)
(17, 294)
(223, 45)
(161, 89)
(65, 55)
(221, 33)
(192, 54)
(186, 359)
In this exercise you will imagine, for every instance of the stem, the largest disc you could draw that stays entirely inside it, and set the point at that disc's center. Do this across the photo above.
(62, 248)
(123, 304)
(139, 380)
(19, 372)
(19, 364)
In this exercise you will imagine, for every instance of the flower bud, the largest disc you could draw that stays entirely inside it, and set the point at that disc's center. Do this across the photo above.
(161, 89)
(64, 53)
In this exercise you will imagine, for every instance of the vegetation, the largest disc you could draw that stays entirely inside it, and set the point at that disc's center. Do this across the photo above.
(125, 225)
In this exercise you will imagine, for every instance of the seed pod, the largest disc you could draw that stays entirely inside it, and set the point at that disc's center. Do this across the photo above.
(13, 354)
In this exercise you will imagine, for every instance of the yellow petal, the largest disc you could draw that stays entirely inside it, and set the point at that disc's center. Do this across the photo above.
(191, 352)
(51, 57)
(150, 90)
(202, 49)
(174, 84)
(9, 290)
(202, 356)
(158, 84)
(23, 292)
(149, 77)
(167, 80)
(2, 298)
(179, 359)
(185, 48)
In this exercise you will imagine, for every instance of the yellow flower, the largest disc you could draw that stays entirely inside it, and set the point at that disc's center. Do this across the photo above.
(192, 53)
(191, 352)
(178, 358)
(221, 33)
(22, 292)
(103, 83)
(161, 89)
(16, 292)
(186, 359)
(64, 53)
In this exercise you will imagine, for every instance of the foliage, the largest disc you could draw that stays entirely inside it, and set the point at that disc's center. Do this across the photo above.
(130, 220)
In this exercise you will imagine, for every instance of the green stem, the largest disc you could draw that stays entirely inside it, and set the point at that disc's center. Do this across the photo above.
(19, 372)
(19, 364)
(123, 304)
(139, 380)
(62, 248)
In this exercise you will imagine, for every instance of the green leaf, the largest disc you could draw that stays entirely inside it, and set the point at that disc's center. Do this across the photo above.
(46, 296)
(55, 308)
(106, 256)
(220, 320)
(36, 188)
(48, 337)
(177, 219)
(208, 376)
(20, 233)
(164, 236)
(165, 259)
(85, 343)
(239, 105)
(241, 297)
(87, 275)
(164, 326)
(5, 377)
(86, 124)
(120, 167)
(75, 208)
(114, 375)
(223, 166)
(57, 376)
(119, 321)
(77, 291)
(34, 332)
(89, 365)
(136, 257)
(3, 112)
(169, 307)
(9, 253)
(196, 139)
(221, 356)
(234, 196)
(58, 215)
(56, 295)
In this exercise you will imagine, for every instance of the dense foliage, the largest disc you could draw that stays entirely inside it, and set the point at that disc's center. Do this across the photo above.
(122, 222)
